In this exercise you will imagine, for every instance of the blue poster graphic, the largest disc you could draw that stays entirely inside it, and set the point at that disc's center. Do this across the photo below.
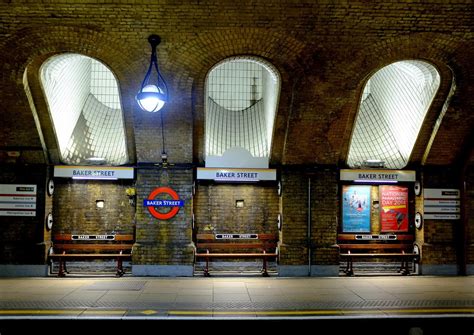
(355, 208)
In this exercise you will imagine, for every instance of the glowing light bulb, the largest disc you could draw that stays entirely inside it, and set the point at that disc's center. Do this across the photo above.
(151, 98)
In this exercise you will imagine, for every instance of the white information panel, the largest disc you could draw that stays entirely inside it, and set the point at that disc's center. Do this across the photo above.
(17, 200)
(442, 203)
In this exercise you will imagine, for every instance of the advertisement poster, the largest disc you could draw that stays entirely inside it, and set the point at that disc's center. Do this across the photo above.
(355, 208)
(394, 208)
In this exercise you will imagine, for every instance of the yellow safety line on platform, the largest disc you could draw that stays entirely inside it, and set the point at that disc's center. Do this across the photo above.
(327, 312)
(260, 313)
(56, 311)
(34, 311)
(104, 312)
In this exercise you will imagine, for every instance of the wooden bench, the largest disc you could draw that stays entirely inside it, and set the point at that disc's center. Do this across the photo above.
(68, 247)
(365, 246)
(215, 246)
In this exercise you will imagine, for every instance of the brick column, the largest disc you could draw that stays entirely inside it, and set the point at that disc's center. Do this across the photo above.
(163, 247)
(294, 252)
(324, 213)
(439, 246)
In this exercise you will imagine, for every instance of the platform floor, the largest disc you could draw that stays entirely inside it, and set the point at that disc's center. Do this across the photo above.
(366, 305)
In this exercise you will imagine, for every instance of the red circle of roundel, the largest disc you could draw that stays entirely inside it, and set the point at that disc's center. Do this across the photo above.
(172, 212)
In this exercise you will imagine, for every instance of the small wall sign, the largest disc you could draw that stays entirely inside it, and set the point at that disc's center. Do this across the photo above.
(236, 236)
(17, 200)
(442, 204)
(376, 237)
(93, 237)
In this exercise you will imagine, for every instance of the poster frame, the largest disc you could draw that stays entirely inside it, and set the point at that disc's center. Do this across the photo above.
(364, 220)
(405, 211)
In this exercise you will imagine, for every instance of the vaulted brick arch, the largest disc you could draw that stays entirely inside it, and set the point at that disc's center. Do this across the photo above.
(33, 47)
(195, 57)
(440, 52)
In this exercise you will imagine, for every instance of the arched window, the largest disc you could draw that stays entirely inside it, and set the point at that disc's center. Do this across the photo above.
(393, 105)
(84, 102)
(241, 101)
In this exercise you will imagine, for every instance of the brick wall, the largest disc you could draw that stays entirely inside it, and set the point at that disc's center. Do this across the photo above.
(215, 208)
(177, 125)
(164, 242)
(328, 49)
(75, 210)
(324, 213)
(294, 248)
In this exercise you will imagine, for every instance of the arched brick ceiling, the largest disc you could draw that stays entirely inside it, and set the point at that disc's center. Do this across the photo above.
(323, 50)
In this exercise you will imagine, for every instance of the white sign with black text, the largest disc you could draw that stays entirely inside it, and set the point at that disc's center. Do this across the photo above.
(442, 204)
(17, 200)
(93, 172)
(378, 176)
(236, 175)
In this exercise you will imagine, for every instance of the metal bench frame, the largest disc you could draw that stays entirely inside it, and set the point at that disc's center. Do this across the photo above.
(266, 244)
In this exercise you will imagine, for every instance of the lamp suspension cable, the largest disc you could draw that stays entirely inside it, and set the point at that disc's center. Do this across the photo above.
(164, 156)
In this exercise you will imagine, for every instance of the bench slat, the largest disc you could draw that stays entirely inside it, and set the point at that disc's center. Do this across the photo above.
(239, 255)
(219, 245)
(212, 237)
(380, 254)
(95, 246)
(399, 246)
(90, 255)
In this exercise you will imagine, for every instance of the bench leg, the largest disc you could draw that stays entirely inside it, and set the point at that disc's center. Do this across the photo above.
(404, 270)
(206, 269)
(62, 267)
(51, 266)
(120, 271)
(346, 270)
(349, 269)
(264, 269)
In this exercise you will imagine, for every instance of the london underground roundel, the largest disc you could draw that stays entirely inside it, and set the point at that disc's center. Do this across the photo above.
(152, 202)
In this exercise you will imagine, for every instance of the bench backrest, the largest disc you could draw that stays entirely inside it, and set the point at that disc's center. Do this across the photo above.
(375, 243)
(70, 243)
(267, 242)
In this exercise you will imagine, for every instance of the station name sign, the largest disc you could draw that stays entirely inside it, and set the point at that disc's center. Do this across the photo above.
(93, 172)
(93, 237)
(376, 237)
(163, 203)
(378, 176)
(236, 236)
(235, 175)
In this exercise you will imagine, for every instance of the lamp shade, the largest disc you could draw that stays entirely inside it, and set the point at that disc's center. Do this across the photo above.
(153, 93)
(151, 98)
